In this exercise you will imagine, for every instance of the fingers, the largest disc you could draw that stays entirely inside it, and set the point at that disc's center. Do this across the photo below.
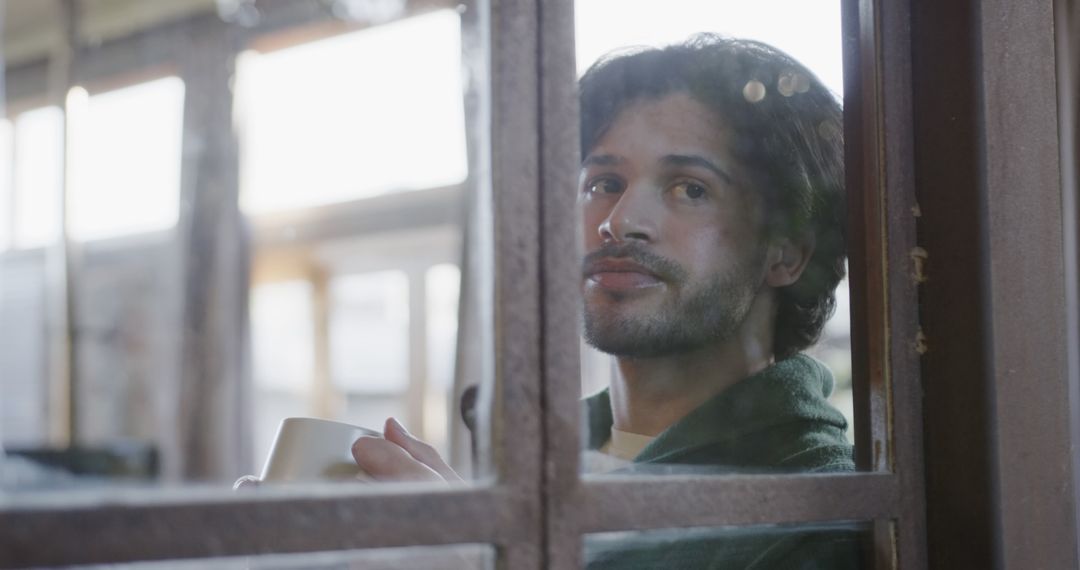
(387, 461)
(394, 432)
(399, 456)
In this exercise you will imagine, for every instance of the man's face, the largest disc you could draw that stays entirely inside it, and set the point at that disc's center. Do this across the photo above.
(674, 254)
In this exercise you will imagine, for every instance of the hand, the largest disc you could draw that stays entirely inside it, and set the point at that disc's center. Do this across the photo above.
(398, 456)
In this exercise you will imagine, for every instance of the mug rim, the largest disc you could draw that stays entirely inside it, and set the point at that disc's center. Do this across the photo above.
(308, 419)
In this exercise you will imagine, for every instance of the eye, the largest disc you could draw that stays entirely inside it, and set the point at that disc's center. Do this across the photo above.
(687, 190)
(604, 186)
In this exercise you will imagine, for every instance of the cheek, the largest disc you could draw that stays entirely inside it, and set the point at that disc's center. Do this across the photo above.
(708, 249)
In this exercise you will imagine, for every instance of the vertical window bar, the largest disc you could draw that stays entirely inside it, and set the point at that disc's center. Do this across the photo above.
(514, 192)
(559, 166)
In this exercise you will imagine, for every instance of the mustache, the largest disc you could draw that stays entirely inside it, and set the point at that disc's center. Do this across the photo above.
(662, 267)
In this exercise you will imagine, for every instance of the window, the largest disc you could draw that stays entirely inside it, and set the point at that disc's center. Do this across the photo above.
(808, 30)
(370, 123)
(7, 151)
(369, 332)
(126, 159)
(282, 345)
(125, 170)
(39, 159)
(936, 146)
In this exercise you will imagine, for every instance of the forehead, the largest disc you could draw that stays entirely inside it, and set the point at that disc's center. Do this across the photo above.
(675, 123)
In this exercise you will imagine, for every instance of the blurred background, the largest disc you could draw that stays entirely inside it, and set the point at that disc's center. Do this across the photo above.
(218, 213)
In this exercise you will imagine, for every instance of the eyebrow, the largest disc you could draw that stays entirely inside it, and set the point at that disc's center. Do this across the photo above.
(669, 159)
(601, 160)
(698, 161)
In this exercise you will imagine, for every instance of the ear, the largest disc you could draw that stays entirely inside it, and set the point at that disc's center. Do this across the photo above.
(787, 260)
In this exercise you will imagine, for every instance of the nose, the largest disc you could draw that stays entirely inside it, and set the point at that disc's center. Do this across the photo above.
(632, 218)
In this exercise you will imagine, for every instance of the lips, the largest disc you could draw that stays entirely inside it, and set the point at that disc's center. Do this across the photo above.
(620, 274)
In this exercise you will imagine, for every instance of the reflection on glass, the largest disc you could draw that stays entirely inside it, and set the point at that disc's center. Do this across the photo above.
(712, 199)
(832, 546)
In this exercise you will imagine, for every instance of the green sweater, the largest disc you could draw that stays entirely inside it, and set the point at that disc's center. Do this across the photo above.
(776, 421)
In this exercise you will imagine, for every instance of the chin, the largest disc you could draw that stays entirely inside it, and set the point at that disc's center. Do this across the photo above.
(622, 346)
(626, 336)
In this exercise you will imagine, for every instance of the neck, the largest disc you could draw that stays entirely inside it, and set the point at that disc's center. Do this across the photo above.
(648, 395)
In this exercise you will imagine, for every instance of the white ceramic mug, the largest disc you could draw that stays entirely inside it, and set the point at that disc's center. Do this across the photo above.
(311, 449)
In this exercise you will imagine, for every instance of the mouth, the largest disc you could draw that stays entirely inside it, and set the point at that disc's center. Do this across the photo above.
(620, 274)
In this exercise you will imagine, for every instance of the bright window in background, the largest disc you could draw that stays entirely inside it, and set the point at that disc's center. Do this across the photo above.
(443, 285)
(353, 116)
(369, 332)
(126, 156)
(443, 282)
(809, 31)
(282, 336)
(7, 150)
(282, 356)
(39, 163)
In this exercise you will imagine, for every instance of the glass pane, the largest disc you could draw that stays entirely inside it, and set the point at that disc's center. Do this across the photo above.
(355, 174)
(826, 546)
(268, 209)
(456, 557)
(712, 200)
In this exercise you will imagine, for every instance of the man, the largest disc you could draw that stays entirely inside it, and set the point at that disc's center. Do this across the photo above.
(713, 196)
(711, 192)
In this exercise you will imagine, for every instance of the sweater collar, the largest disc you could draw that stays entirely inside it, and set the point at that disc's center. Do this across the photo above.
(794, 389)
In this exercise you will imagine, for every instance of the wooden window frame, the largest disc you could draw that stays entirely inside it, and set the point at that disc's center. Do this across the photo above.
(909, 320)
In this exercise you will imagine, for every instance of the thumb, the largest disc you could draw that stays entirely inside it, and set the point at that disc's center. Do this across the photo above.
(421, 451)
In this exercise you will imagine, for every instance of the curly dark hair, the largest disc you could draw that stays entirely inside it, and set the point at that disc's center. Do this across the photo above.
(787, 131)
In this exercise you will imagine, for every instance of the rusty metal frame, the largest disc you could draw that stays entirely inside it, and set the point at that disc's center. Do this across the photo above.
(151, 528)
(1067, 36)
(667, 502)
(560, 161)
(1000, 477)
(883, 213)
(1026, 286)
